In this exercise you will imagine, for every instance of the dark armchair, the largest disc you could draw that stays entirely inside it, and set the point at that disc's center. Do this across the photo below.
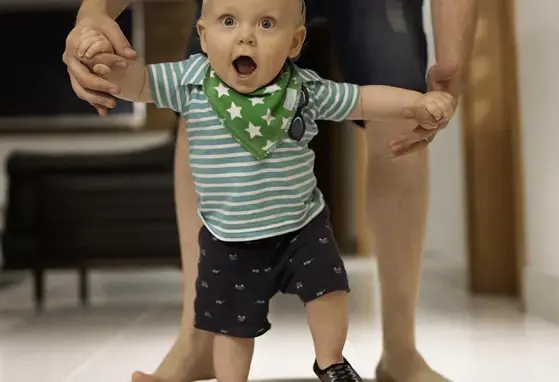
(84, 211)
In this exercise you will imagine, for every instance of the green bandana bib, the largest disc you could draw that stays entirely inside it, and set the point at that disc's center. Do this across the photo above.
(258, 121)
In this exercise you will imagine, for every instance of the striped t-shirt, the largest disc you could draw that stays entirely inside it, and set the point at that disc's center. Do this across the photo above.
(239, 197)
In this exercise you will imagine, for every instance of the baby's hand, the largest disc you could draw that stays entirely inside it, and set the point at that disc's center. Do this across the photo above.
(91, 43)
(432, 109)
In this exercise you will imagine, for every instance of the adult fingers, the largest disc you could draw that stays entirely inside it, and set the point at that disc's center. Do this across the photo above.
(443, 71)
(88, 80)
(440, 75)
(410, 138)
(109, 59)
(101, 110)
(120, 44)
(97, 99)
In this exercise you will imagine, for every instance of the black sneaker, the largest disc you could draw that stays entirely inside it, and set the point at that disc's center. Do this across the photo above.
(338, 372)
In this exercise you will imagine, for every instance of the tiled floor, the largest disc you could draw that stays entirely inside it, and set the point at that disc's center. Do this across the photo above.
(134, 320)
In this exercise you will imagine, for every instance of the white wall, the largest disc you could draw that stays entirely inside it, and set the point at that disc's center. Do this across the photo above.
(538, 53)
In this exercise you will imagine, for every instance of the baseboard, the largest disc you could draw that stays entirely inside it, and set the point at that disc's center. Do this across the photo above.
(541, 294)
(8, 279)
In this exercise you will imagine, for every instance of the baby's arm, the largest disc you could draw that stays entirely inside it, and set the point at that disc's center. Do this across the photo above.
(334, 101)
(133, 79)
(133, 82)
(377, 103)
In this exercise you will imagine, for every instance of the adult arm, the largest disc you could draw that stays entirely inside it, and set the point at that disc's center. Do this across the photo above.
(454, 31)
(111, 8)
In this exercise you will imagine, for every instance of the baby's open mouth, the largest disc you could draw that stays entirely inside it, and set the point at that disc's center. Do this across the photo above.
(244, 65)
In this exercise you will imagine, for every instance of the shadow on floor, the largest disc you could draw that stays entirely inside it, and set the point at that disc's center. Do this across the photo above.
(297, 380)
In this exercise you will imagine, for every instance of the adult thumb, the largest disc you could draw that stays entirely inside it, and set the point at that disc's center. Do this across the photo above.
(443, 71)
(119, 42)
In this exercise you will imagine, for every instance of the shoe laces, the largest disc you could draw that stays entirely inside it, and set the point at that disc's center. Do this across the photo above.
(343, 372)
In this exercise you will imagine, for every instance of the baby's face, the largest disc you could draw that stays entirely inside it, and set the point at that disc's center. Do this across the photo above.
(248, 41)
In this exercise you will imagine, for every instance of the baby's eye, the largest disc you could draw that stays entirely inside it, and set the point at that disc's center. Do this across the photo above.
(228, 21)
(267, 24)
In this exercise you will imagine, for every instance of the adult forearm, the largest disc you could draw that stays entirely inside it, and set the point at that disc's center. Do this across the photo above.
(454, 24)
(111, 8)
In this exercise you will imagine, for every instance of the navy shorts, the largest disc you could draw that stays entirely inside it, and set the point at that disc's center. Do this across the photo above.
(236, 280)
(377, 42)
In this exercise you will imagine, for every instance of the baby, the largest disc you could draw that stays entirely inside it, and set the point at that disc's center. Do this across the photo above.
(251, 114)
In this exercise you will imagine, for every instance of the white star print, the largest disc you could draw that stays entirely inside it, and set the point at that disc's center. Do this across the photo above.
(212, 74)
(272, 89)
(235, 111)
(222, 90)
(268, 117)
(253, 130)
(268, 146)
(257, 100)
(284, 123)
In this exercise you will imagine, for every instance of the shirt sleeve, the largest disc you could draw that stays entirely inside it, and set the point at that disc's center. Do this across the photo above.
(333, 101)
(165, 82)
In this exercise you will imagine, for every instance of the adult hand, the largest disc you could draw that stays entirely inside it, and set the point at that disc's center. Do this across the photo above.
(445, 77)
(87, 85)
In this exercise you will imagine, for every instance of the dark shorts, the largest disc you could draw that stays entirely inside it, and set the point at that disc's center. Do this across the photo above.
(377, 42)
(237, 280)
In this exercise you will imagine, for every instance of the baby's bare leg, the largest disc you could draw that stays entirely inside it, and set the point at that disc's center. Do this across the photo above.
(328, 321)
(232, 357)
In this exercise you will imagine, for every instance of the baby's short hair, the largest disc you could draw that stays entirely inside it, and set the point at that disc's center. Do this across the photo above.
(303, 10)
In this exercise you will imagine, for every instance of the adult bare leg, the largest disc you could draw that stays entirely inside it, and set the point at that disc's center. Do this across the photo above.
(397, 202)
(191, 356)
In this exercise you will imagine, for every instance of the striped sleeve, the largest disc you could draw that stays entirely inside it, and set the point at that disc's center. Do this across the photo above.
(165, 81)
(333, 101)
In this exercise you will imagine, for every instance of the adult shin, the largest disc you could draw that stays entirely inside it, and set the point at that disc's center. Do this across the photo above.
(397, 199)
(191, 356)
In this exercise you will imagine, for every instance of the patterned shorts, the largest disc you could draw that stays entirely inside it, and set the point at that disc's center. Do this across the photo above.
(236, 280)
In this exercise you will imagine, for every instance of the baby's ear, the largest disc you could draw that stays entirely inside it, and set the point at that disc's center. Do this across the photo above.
(201, 28)
(297, 42)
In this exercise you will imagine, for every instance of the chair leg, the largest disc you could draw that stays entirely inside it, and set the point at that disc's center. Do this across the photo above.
(84, 286)
(39, 288)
